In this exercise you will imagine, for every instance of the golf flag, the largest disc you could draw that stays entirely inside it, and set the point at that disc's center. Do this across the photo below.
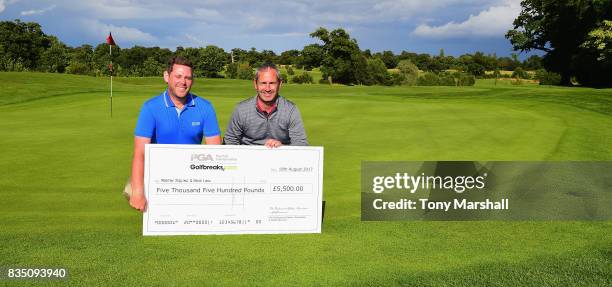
(110, 40)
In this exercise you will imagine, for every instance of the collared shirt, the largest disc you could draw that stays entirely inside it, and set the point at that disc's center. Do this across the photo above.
(265, 110)
(160, 121)
(249, 126)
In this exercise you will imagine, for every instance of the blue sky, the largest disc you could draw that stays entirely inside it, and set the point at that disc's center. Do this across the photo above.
(412, 25)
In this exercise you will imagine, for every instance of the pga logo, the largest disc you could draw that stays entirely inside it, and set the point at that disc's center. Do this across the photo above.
(201, 157)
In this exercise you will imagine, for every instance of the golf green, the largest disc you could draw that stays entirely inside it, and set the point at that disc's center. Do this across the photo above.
(65, 160)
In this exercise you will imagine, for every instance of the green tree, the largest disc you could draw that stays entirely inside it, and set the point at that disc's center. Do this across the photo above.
(312, 56)
(288, 57)
(55, 59)
(409, 71)
(81, 60)
(231, 70)
(151, 67)
(389, 59)
(22, 42)
(245, 71)
(210, 62)
(343, 62)
(600, 39)
(377, 73)
(559, 28)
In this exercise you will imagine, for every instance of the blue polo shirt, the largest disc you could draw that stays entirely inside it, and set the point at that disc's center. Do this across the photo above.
(162, 123)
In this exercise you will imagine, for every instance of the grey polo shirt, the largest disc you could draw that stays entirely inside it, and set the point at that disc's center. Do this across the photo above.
(248, 126)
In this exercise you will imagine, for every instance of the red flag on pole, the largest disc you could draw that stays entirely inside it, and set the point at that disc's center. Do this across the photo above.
(109, 39)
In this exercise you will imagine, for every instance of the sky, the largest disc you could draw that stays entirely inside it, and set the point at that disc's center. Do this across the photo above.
(422, 26)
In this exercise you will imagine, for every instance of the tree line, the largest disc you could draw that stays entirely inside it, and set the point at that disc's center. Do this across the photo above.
(24, 46)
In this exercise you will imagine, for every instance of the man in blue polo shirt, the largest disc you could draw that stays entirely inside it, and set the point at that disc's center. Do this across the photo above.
(174, 117)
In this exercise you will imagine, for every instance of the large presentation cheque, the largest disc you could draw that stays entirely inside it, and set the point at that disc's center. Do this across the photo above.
(198, 189)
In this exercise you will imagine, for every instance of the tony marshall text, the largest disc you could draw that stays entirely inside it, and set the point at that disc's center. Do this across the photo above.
(425, 204)
(458, 184)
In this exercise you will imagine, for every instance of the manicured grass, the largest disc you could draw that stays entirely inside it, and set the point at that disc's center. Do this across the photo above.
(64, 163)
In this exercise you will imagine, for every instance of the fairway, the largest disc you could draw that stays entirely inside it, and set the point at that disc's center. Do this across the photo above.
(64, 163)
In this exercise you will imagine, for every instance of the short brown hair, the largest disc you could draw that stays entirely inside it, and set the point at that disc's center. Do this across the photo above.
(178, 60)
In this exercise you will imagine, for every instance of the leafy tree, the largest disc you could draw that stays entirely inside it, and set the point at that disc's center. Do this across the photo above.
(409, 71)
(239, 55)
(288, 57)
(231, 70)
(476, 69)
(211, 61)
(534, 62)
(151, 67)
(389, 59)
(312, 56)
(342, 60)
(254, 58)
(377, 73)
(81, 61)
(55, 59)
(600, 39)
(559, 28)
(268, 56)
(245, 71)
(22, 42)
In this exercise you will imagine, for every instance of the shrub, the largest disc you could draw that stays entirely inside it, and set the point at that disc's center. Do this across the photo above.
(78, 68)
(231, 71)
(290, 71)
(428, 79)
(397, 79)
(409, 72)
(446, 79)
(547, 78)
(284, 78)
(245, 72)
(465, 79)
(520, 73)
(304, 78)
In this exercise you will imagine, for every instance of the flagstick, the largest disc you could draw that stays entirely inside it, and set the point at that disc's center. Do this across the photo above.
(111, 76)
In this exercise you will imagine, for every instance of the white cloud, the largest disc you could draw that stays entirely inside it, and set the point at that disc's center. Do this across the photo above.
(4, 3)
(37, 12)
(120, 33)
(130, 10)
(494, 21)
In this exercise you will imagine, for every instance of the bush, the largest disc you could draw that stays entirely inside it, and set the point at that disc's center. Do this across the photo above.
(397, 79)
(409, 72)
(284, 78)
(231, 70)
(476, 69)
(446, 79)
(323, 81)
(377, 73)
(428, 79)
(78, 68)
(290, 71)
(304, 78)
(245, 72)
(465, 79)
(547, 78)
(520, 73)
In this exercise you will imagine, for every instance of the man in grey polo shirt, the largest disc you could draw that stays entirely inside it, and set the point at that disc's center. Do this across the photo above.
(266, 119)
